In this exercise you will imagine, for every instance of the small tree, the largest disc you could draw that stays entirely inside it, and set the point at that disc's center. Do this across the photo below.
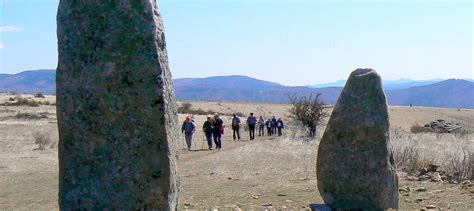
(309, 111)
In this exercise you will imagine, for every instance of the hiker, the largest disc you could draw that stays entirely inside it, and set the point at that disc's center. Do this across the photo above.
(217, 130)
(261, 126)
(274, 125)
(251, 121)
(207, 128)
(235, 127)
(279, 126)
(188, 129)
(269, 127)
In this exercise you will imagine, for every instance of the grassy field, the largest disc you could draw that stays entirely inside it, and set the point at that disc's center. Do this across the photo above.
(269, 172)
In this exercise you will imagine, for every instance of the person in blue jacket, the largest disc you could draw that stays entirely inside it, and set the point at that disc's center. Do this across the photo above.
(188, 128)
(251, 121)
(279, 126)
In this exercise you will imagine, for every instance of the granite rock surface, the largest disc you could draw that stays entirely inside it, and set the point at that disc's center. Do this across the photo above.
(355, 167)
(116, 107)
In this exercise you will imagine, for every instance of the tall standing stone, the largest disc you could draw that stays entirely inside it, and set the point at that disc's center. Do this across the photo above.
(116, 107)
(355, 167)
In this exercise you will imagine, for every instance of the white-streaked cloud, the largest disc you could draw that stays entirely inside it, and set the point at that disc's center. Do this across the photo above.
(9, 28)
(2, 46)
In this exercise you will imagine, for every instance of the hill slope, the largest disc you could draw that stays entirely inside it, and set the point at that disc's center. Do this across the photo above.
(452, 93)
(229, 82)
(387, 84)
(30, 81)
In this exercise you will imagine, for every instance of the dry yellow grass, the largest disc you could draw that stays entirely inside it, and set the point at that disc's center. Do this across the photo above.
(249, 174)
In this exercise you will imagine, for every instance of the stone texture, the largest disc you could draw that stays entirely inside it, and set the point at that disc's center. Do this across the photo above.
(355, 167)
(116, 107)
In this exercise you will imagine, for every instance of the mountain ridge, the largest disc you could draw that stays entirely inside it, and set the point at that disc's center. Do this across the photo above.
(402, 83)
(451, 93)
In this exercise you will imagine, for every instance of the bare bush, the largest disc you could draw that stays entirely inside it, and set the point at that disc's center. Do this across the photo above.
(295, 130)
(239, 114)
(462, 166)
(42, 139)
(409, 159)
(39, 95)
(309, 111)
(27, 115)
(454, 154)
(21, 101)
(416, 128)
(187, 106)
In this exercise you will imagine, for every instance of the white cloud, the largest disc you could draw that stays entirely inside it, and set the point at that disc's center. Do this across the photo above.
(9, 28)
(2, 46)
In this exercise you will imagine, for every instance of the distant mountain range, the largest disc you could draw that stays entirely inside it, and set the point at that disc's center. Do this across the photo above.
(453, 93)
(387, 84)
(29, 81)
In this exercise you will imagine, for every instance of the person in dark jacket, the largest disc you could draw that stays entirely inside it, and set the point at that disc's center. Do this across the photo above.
(251, 121)
(235, 127)
(217, 128)
(269, 127)
(261, 126)
(207, 128)
(274, 125)
(188, 129)
(279, 126)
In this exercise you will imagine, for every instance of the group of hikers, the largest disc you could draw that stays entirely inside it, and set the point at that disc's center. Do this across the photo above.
(213, 128)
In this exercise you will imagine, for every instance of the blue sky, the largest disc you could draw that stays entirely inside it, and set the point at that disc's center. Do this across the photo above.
(292, 42)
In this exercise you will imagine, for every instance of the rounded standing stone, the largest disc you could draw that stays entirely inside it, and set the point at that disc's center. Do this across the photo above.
(116, 108)
(355, 167)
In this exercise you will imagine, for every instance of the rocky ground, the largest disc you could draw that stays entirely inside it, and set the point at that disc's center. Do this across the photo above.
(270, 172)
